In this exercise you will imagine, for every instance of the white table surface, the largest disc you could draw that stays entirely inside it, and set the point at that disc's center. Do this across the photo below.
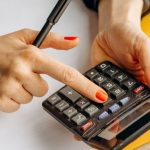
(31, 128)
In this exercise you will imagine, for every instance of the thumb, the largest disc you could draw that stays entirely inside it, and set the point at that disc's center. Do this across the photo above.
(144, 54)
(53, 40)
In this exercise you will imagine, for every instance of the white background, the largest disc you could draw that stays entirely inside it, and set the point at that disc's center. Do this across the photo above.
(31, 128)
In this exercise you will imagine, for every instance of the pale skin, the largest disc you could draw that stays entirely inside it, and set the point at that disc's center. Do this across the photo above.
(21, 64)
(121, 40)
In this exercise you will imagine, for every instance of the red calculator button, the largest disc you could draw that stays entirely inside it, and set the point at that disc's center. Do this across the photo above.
(138, 89)
(86, 126)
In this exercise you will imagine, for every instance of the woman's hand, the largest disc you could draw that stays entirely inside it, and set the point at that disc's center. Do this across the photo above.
(21, 65)
(121, 38)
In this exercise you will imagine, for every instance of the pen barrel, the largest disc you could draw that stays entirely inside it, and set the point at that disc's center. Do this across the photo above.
(52, 19)
(42, 34)
(58, 11)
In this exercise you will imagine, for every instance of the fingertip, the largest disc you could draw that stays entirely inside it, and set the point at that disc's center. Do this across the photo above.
(9, 105)
(71, 38)
(101, 96)
(72, 41)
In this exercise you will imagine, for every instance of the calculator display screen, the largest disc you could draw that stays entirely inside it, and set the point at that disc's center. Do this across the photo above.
(126, 120)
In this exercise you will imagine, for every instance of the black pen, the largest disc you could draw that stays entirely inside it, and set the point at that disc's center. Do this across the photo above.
(51, 20)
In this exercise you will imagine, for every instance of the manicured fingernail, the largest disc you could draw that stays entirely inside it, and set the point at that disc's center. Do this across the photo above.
(70, 38)
(101, 96)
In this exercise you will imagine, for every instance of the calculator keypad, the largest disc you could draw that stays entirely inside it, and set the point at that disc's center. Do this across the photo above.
(120, 77)
(91, 74)
(108, 85)
(81, 113)
(139, 89)
(86, 126)
(124, 101)
(79, 119)
(100, 79)
(91, 110)
(54, 99)
(111, 72)
(103, 115)
(83, 103)
(62, 105)
(70, 94)
(70, 112)
(117, 92)
(115, 107)
(129, 84)
(102, 67)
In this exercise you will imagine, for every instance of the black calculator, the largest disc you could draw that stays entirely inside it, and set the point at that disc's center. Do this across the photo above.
(109, 126)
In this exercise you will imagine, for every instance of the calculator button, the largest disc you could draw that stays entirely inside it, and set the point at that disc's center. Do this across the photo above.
(103, 115)
(120, 77)
(70, 112)
(103, 66)
(129, 84)
(108, 101)
(124, 101)
(79, 119)
(92, 74)
(111, 72)
(108, 85)
(61, 106)
(83, 103)
(87, 126)
(70, 94)
(117, 92)
(114, 108)
(100, 79)
(91, 110)
(139, 89)
(54, 99)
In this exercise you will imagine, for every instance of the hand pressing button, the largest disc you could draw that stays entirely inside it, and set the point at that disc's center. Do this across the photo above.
(70, 94)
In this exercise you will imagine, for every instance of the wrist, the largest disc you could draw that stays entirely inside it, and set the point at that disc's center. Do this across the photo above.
(118, 11)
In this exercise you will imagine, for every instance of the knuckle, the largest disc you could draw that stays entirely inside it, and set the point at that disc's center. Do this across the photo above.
(8, 106)
(6, 86)
(27, 100)
(20, 71)
(31, 55)
(29, 52)
(14, 108)
(69, 75)
(26, 31)
(43, 90)
(52, 34)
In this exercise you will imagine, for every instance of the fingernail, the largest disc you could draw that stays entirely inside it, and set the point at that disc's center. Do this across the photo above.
(70, 38)
(101, 96)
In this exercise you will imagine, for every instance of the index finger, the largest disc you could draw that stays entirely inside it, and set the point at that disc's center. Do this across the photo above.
(70, 76)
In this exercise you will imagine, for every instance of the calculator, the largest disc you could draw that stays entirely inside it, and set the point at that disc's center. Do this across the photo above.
(109, 126)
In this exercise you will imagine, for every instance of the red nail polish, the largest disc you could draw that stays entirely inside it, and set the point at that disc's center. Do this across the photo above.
(70, 38)
(101, 96)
